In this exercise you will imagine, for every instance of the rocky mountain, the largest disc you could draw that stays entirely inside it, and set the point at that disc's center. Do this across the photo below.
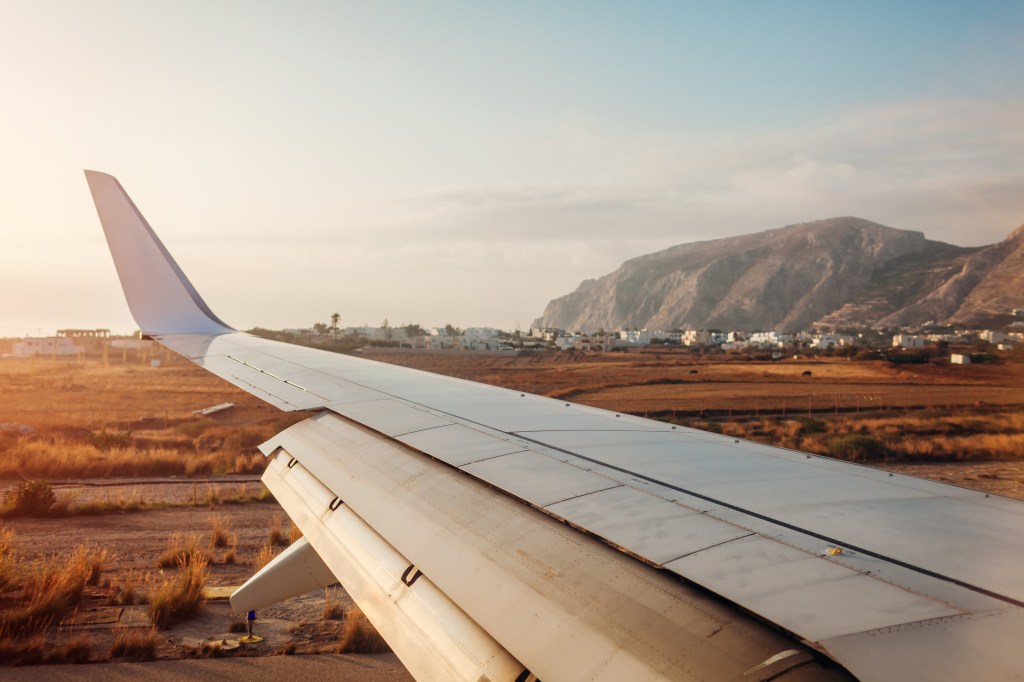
(841, 271)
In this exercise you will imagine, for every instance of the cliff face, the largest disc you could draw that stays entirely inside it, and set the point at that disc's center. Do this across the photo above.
(841, 270)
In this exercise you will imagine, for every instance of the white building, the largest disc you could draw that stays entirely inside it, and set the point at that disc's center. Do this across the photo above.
(772, 339)
(908, 341)
(826, 341)
(992, 336)
(670, 337)
(583, 342)
(960, 359)
(548, 333)
(130, 344)
(634, 337)
(50, 345)
(696, 337)
(566, 342)
(482, 333)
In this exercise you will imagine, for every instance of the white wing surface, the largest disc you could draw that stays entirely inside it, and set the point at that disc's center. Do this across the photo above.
(492, 534)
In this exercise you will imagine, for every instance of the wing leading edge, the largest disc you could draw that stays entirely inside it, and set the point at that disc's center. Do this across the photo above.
(657, 509)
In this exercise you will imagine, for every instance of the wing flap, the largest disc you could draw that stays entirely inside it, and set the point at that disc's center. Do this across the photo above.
(566, 606)
(432, 636)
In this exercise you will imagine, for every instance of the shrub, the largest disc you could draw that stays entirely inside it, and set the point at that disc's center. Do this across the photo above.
(858, 448)
(32, 498)
(811, 425)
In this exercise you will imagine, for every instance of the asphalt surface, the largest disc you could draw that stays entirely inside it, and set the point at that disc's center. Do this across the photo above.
(334, 667)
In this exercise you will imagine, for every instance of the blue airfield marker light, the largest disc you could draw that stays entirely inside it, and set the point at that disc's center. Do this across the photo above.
(250, 638)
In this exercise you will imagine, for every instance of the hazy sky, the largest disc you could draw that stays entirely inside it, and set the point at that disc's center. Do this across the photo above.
(466, 162)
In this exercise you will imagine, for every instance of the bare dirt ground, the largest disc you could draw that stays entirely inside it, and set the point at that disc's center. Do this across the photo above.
(134, 543)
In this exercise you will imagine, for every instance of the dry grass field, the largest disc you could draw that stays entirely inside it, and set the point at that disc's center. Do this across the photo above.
(658, 382)
(81, 419)
(149, 505)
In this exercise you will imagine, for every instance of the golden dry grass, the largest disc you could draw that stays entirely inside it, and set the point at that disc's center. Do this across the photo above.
(333, 608)
(134, 644)
(914, 437)
(127, 590)
(61, 459)
(263, 556)
(47, 590)
(358, 636)
(277, 536)
(180, 596)
(181, 549)
(44, 392)
(218, 531)
(84, 420)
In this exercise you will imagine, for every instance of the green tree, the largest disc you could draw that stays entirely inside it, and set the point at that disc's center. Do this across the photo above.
(413, 330)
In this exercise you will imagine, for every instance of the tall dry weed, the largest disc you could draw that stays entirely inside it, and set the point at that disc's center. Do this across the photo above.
(218, 531)
(181, 548)
(180, 596)
(50, 590)
(276, 533)
(263, 556)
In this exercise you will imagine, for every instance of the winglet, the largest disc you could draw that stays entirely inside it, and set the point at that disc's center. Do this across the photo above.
(161, 298)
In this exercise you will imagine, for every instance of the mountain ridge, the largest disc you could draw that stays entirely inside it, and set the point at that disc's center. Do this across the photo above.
(843, 271)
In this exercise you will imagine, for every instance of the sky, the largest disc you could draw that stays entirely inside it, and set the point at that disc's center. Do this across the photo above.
(466, 162)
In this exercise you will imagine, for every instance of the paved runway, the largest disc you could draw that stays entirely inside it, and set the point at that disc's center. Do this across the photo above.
(334, 667)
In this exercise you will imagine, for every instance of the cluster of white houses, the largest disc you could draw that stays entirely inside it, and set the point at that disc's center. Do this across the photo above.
(769, 340)
(68, 342)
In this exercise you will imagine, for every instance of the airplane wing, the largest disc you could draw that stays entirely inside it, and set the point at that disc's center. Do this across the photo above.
(491, 534)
